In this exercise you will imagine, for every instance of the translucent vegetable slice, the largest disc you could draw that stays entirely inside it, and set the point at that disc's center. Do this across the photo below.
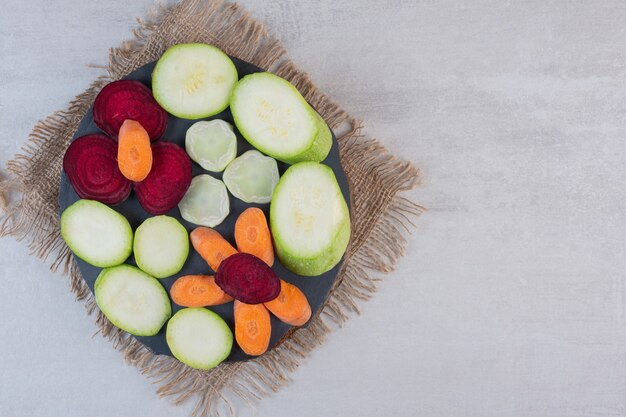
(252, 177)
(206, 201)
(212, 144)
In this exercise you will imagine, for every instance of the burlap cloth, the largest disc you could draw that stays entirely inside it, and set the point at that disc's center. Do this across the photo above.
(381, 218)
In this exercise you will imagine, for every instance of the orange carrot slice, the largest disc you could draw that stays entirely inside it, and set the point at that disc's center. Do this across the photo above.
(211, 246)
(291, 306)
(253, 236)
(252, 327)
(134, 154)
(198, 291)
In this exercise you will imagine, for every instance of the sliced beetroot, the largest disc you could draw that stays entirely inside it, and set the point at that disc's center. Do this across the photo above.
(91, 166)
(168, 180)
(248, 279)
(128, 99)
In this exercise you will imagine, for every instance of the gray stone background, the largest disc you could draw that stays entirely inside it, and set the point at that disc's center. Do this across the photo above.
(510, 300)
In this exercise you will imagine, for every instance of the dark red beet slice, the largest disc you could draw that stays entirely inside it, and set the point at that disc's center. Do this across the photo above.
(91, 166)
(168, 180)
(248, 279)
(128, 99)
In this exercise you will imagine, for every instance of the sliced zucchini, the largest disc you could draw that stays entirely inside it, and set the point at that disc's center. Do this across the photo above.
(273, 116)
(252, 177)
(161, 246)
(212, 144)
(132, 300)
(309, 219)
(193, 80)
(96, 233)
(199, 338)
(206, 202)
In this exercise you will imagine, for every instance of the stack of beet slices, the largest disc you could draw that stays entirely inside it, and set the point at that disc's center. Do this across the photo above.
(90, 161)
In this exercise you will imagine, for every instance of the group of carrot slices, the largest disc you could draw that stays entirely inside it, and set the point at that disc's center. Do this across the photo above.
(245, 276)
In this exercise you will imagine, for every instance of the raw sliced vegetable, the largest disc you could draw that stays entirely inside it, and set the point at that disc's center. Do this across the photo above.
(161, 246)
(253, 328)
(134, 155)
(252, 177)
(206, 202)
(97, 234)
(128, 99)
(212, 144)
(273, 116)
(253, 236)
(198, 291)
(132, 300)
(291, 306)
(211, 246)
(168, 180)
(91, 167)
(248, 279)
(193, 80)
(309, 219)
(199, 338)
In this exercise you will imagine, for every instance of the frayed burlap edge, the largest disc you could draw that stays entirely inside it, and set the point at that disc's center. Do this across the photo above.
(381, 217)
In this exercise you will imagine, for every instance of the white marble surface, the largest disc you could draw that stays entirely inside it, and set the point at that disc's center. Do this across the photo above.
(510, 301)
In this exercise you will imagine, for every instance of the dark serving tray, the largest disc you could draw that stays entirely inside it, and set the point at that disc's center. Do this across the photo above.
(315, 288)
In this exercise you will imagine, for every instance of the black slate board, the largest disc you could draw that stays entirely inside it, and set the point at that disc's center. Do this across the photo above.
(315, 288)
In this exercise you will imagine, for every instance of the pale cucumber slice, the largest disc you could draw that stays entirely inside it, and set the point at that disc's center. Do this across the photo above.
(273, 116)
(206, 202)
(199, 338)
(96, 233)
(193, 80)
(309, 219)
(212, 144)
(252, 177)
(132, 300)
(161, 246)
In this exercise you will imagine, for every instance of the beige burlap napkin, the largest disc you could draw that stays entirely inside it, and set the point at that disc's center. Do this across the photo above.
(381, 218)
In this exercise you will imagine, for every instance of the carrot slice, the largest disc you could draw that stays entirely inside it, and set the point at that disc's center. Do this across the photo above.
(252, 327)
(134, 155)
(291, 306)
(253, 236)
(211, 246)
(198, 291)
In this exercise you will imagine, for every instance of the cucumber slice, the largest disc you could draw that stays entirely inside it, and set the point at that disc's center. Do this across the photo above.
(96, 233)
(132, 300)
(212, 144)
(271, 114)
(193, 80)
(161, 246)
(252, 177)
(199, 338)
(206, 202)
(309, 219)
